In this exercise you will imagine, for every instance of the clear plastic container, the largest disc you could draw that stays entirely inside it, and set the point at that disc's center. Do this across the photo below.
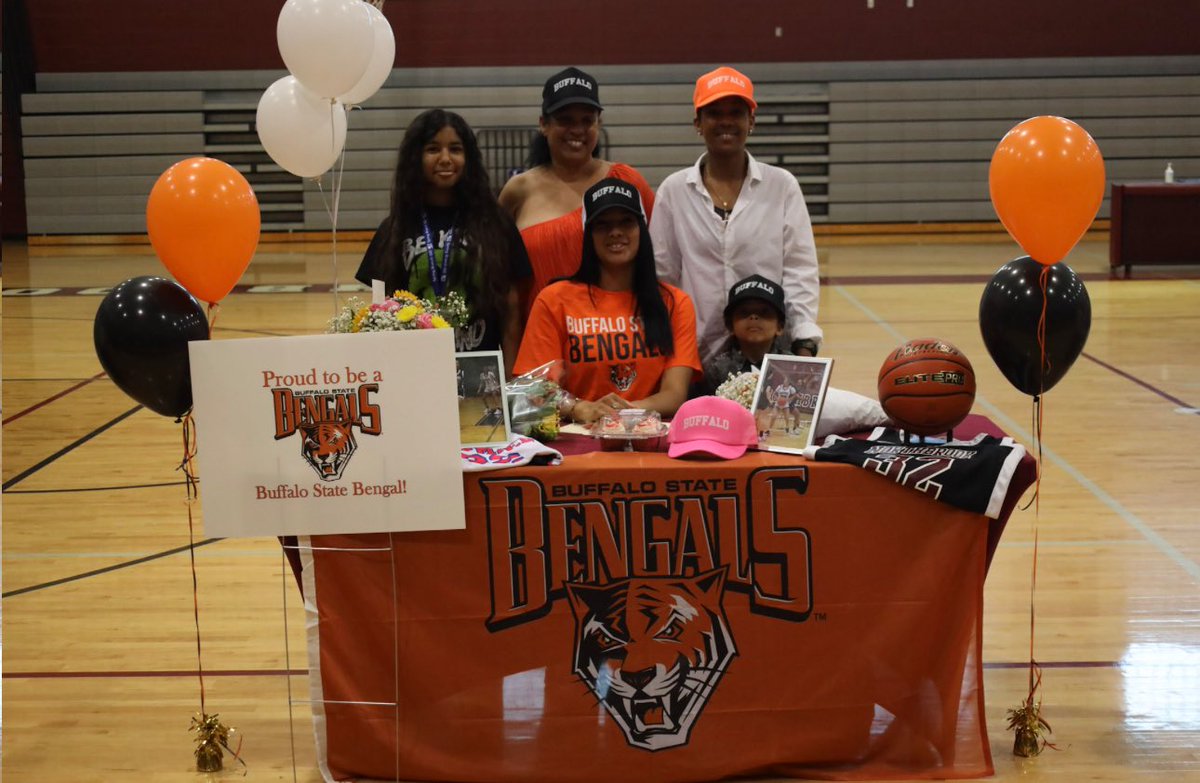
(632, 429)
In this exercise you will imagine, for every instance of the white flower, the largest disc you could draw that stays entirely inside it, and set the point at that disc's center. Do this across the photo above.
(740, 388)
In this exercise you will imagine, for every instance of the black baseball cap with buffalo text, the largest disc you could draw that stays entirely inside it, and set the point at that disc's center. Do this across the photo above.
(756, 287)
(611, 193)
(569, 86)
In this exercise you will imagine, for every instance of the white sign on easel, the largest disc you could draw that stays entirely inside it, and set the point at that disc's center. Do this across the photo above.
(344, 433)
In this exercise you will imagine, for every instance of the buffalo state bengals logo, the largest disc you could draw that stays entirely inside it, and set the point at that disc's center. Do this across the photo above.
(326, 422)
(652, 650)
(646, 563)
(327, 446)
(622, 375)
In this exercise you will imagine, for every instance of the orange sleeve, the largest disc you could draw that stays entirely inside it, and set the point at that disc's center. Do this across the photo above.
(683, 331)
(543, 340)
(634, 177)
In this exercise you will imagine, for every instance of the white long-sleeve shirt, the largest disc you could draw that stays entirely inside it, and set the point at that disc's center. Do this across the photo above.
(769, 233)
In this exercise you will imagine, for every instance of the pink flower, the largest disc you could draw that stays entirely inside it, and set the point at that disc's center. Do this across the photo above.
(387, 306)
(425, 321)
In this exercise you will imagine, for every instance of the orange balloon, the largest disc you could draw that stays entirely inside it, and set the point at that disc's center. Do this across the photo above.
(204, 222)
(1047, 182)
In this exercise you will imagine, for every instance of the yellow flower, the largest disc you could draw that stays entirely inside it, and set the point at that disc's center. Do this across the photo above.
(358, 318)
(440, 323)
(405, 296)
(407, 313)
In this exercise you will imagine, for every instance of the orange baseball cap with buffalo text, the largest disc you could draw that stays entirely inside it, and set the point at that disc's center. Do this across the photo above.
(721, 83)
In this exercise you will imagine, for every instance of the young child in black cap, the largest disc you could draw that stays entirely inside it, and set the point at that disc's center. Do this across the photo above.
(754, 317)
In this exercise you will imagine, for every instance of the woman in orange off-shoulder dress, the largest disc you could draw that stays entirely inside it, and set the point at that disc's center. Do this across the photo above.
(546, 201)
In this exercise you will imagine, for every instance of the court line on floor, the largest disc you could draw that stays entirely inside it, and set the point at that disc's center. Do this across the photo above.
(259, 289)
(167, 673)
(13, 556)
(107, 569)
(69, 448)
(1138, 381)
(108, 675)
(1069, 544)
(1191, 568)
(94, 489)
(52, 398)
(219, 328)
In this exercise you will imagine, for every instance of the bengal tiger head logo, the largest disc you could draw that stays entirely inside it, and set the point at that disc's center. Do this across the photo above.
(622, 375)
(652, 650)
(327, 446)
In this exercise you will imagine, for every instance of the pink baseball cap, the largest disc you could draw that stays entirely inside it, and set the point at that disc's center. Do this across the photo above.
(712, 426)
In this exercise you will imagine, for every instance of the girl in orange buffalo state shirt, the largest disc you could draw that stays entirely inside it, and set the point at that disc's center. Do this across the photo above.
(626, 340)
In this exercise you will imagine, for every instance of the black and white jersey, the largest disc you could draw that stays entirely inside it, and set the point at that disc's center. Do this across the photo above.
(972, 475)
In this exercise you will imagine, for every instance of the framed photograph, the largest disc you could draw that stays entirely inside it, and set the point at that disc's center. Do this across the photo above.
(482, 409)
(788, 400)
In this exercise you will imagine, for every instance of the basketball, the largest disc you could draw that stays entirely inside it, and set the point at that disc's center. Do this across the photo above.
(926, 386)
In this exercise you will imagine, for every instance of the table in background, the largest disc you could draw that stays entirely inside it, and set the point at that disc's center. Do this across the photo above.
(824, 621)
(1154, 223)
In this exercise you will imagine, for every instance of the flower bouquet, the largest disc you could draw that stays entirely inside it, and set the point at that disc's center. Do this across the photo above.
(400, 312)
(534, 400)
(740, 388)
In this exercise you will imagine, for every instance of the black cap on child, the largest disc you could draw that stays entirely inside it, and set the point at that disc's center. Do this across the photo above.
(756, 287)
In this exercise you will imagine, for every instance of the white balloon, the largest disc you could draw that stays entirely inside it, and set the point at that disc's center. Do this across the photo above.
(382, 60)
(326, 44)
(302, 132)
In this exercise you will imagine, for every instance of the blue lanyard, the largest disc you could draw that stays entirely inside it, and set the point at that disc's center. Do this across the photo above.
(439, 274)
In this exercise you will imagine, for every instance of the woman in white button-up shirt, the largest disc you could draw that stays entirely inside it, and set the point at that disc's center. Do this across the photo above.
(729, 217)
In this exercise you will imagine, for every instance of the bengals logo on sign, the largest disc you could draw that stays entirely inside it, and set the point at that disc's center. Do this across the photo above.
(652, 650)
(327, 446)
(326, 422)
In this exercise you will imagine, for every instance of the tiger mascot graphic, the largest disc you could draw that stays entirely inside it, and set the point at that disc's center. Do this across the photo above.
(652, 650)
(327, 446)
(622, 375)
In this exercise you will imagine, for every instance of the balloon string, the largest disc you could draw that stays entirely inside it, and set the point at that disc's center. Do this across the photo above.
(214, 309)
(189, 454)
(1036, 428)
(337, 199)
(1032, 701)
(1043, 278)
(1034, 672)
(1039, 411)
(331, 210)
(1044, 366)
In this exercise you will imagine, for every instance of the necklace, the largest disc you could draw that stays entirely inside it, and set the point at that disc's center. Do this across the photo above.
(726, 203)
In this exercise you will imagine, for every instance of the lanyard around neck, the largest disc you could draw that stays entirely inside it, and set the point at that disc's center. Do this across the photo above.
(439, 274)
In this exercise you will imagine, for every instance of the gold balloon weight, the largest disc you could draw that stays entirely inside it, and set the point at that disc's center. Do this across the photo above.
(212, 740)
(1027, 721)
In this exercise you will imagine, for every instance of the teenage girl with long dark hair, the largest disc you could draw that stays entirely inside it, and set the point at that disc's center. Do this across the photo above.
(445, 232)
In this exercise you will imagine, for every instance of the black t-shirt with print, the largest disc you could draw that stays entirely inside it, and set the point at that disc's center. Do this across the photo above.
(410, 271)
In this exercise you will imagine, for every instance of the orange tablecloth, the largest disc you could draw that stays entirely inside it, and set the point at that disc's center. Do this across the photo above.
(632, 617)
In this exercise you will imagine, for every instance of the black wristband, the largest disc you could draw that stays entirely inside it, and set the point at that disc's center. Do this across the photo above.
(806, 344)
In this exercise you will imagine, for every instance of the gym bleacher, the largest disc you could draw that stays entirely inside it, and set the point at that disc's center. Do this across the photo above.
(871, 144)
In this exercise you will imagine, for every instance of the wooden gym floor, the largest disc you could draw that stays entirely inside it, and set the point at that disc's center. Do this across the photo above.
(99, 646)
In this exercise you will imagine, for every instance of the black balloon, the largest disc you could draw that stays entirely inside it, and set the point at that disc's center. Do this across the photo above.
(141, 333)
(1008, 317)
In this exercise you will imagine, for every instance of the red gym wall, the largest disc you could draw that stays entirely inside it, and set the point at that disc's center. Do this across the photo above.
(130, 35)
(65, 36)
